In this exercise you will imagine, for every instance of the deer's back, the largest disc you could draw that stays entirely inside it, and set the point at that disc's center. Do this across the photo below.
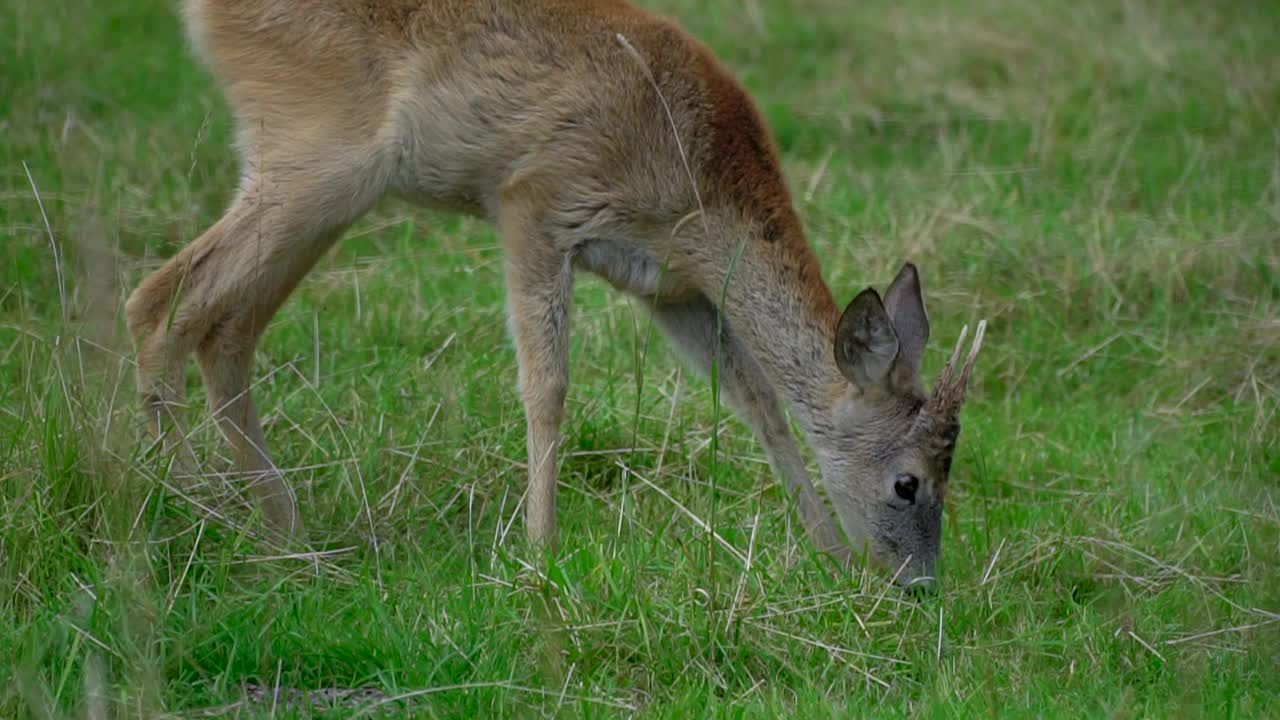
(470, 98)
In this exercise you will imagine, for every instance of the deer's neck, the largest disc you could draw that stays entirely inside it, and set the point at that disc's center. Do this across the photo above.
(783, 312)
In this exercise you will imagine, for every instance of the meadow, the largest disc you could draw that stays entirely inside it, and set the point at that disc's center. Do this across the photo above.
(1100, 180)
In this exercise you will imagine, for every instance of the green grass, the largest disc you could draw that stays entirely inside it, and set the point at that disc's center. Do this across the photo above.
(1101, 180)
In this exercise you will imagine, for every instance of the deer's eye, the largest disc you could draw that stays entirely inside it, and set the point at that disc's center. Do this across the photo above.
(905, 486)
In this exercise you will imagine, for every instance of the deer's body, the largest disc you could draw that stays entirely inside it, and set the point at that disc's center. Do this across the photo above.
(596, 136)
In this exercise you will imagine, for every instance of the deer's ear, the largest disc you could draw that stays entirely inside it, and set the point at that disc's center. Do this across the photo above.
(865, 341)
(905, 305)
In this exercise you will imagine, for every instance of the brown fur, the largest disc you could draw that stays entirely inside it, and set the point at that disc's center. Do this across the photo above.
(534, 114)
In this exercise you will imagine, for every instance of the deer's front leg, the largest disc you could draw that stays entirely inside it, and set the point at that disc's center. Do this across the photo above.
(704, 337)
(539, 302)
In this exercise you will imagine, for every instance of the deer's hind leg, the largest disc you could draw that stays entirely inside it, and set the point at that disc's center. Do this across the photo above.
(217, 295)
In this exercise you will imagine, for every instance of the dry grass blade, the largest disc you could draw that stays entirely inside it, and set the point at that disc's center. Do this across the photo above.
(1220, 631)
(512, 687)
(701, 523)
(53, 242)
(843, 653)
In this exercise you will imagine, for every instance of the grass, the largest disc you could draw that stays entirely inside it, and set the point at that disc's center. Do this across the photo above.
(1101, 180)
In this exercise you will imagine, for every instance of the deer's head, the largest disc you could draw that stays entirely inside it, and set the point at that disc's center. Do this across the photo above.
(889, 456)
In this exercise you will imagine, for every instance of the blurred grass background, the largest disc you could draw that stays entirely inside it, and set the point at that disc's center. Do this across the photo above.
(1099, 179)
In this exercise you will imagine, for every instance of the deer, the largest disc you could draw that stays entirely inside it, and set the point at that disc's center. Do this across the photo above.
(596, 137)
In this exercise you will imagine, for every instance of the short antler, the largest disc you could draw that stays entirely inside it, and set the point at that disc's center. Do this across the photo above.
(948, 394)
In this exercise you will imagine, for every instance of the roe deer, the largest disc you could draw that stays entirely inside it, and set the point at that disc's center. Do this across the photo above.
(597, 137)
